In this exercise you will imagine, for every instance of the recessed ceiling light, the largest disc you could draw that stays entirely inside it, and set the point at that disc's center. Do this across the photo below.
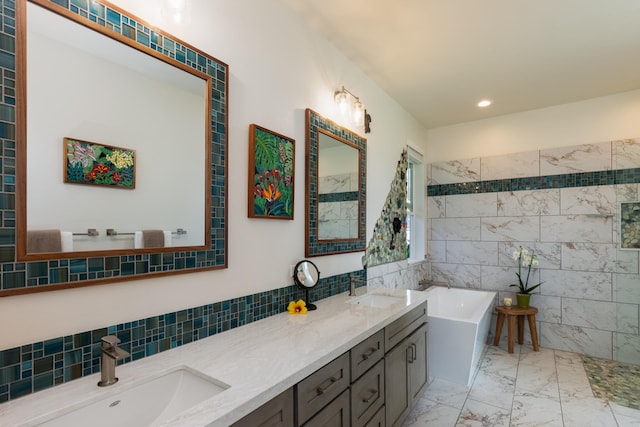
(484, 103)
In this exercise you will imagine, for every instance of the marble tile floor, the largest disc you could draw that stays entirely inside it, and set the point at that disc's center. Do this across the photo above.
(526, 388)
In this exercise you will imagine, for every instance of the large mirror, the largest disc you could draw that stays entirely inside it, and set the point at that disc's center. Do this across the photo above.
(115, 97)
(336, 184)
(96, 83)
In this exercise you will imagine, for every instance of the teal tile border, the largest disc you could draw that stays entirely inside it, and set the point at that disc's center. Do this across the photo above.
(584, 179)
(40, 365)
(18, 276)
(347, 196)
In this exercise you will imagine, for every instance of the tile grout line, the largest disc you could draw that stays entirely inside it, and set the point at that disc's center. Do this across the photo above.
(555, 366)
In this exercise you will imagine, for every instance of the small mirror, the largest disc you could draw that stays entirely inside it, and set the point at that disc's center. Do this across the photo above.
(306, 276)
(336, 186)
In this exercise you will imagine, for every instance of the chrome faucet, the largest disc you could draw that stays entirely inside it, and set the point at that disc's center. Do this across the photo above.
(352, 285)
(111, 353)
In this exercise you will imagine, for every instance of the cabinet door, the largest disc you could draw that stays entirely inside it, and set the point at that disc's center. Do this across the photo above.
(335, 414)
(397, 399)
(418, 374)
(278, 412)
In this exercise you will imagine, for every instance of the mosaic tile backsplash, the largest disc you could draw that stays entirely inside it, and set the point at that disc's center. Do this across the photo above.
(17, 276)
(34, 367)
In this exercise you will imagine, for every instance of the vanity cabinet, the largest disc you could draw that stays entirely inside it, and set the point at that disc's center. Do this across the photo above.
(320, 388)
(375, 384)
(278, 412)
(367, 395)
(405, 364)
(356, 377)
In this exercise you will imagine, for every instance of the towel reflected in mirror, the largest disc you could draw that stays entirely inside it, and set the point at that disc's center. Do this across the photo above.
(151, 239)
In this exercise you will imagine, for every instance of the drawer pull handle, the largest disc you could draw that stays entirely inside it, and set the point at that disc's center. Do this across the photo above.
(332, 381)
(373, 394)
(415, 351)
(410, 357)
(369, 352)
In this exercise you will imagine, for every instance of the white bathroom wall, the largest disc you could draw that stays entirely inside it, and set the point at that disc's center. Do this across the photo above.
(278, 67)
(595, 120)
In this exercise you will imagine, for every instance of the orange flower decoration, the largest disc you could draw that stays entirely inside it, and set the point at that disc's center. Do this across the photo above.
(299, 307)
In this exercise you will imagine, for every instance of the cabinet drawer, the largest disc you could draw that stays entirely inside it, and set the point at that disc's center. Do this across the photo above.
(402, 328)
(378, 419)
(336, 414)
(366, 354)
(321, 387)
(367, 395)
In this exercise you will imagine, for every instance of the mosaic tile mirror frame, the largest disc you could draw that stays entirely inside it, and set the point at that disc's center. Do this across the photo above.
(25, 274)
(314, 245)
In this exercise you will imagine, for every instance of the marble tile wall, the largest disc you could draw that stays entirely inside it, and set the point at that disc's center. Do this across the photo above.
(338, 215)
(397, 275)
(589, 302)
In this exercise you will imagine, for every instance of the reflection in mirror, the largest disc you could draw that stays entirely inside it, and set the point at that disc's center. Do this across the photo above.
(336, 184)
(114, 96)
(166, 93)
(306, 276)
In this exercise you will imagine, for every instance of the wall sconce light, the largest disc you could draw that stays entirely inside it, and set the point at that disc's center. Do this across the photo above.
(358, 113)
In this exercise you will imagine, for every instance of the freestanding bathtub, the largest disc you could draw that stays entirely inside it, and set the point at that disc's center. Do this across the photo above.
(459, 321)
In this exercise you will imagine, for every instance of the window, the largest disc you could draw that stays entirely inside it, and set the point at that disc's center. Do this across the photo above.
(415, 206)
(410, 213)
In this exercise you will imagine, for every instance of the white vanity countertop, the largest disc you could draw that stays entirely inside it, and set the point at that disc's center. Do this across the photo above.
(258, 361)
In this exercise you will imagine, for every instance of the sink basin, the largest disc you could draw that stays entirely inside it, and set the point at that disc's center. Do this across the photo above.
(377, 300)
(146, 404)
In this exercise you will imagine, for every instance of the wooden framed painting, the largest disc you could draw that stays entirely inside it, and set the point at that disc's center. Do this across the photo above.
(630, 225)
(271, 174)
(98, 164)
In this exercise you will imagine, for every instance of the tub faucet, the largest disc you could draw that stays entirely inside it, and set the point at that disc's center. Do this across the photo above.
(111, 353)
(352, 285)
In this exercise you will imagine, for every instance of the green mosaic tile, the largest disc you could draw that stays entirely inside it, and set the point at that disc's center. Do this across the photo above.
(616, 381)
(36, 366)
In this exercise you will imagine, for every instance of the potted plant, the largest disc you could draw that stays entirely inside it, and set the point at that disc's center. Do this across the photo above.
(524, 290)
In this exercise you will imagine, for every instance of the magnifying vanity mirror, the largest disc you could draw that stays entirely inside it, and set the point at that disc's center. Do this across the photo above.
(306, 276)
(336, 185)
(92, 72)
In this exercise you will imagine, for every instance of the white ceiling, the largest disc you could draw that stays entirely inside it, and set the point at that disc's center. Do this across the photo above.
(438, 58)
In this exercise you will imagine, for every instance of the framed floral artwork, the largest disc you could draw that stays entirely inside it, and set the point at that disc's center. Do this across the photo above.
(271, 174)
(98, 164)
(630, 225)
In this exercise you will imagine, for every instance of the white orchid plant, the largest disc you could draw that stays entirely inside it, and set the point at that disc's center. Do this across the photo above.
(524, 260)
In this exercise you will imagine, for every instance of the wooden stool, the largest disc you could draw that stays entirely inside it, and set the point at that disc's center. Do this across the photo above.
(512, 313)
